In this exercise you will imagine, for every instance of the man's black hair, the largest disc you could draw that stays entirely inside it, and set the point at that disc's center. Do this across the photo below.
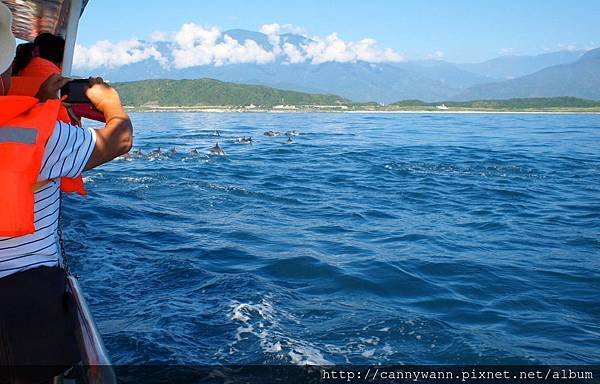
(50, 47)
(22, 57)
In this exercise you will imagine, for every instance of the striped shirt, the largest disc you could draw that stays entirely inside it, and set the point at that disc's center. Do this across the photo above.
(67, 151)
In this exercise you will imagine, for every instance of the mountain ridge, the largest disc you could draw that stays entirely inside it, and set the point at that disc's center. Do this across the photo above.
(359, 81)
(578, 79)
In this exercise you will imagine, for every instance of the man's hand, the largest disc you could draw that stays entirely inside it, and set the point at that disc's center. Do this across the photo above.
(102, 95)
(49, 88)
(116, 138)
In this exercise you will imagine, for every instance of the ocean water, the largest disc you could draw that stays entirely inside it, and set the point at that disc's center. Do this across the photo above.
(374, 238)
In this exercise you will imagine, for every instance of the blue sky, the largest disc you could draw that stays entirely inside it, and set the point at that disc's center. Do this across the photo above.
(460, 31)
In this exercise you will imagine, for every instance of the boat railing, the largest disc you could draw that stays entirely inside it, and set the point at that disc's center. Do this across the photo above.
(94, 358)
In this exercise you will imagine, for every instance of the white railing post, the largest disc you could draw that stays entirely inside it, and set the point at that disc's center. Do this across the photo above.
(71, 35)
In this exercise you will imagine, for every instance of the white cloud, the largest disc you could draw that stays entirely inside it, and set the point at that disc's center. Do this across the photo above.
(366, 50)
(273, 32)
(276, 28)
(568, 47)
(293, 54)
(437, 55)
(270, 29)
(233, 52)
(332, 48)
(290, 28)
(159, 36)
(195, 45)
(112, 55)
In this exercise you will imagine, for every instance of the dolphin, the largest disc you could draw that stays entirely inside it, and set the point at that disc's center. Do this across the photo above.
(290, 141)
(173, 150)
(244, 140)
(194, 151)
(291, 133)
(157, 151)
(216, 150)
(272, 133)
(137, 153)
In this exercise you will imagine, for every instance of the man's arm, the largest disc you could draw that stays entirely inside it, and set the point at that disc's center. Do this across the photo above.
(116, 138)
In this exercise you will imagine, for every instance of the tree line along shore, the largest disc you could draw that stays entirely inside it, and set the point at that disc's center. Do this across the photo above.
(216, 96)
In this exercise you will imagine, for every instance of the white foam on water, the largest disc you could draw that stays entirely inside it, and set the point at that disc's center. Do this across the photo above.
(387, 349)
(242, 330)
(238, 313)
(368, 353)
(377, 342)
(307, 355)
(91, 179)
(137, 180)
(275, 348)
(270, 327)
(370, 340)
(262, 322)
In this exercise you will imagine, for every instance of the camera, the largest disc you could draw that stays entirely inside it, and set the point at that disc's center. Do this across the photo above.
(75, 91)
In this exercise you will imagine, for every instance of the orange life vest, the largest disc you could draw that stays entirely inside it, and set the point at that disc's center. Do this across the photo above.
(39, 67)
(29, 86)
(25, 127)
(25, 85)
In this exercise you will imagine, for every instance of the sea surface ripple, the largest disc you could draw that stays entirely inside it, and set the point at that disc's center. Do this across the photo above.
(374, 238)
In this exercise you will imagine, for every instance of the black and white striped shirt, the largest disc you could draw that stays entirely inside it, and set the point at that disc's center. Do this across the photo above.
(66, 154)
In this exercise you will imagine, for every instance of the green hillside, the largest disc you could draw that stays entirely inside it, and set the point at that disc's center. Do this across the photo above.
(208, 92)
(540, 103)
(214, 93)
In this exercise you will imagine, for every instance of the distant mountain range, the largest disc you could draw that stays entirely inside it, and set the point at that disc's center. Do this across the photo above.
(510, 67)
(578, 79)
(565, 73)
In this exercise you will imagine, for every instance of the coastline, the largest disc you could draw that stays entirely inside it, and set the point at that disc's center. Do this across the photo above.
(360, 111)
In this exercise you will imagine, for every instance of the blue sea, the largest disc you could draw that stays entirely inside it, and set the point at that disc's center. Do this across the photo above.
(374, 238)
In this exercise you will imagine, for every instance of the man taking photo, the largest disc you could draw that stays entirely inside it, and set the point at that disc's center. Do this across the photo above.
(37, 319)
